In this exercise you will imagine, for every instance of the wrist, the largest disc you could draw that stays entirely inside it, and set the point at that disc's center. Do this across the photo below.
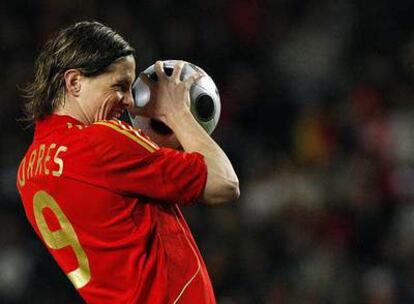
(179, 119)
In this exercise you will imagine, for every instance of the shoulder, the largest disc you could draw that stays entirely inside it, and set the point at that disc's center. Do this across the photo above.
(120, 134)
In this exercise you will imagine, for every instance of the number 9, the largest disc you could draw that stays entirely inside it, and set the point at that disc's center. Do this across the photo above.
(65, 236)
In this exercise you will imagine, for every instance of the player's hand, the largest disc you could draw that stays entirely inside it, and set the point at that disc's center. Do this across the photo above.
(169, 95)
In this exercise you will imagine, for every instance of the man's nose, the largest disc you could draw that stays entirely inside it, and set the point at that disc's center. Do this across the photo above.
(129, 100)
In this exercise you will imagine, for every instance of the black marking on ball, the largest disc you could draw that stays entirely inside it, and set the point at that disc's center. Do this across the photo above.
(204, 107)
(159, 127)
(168, 71)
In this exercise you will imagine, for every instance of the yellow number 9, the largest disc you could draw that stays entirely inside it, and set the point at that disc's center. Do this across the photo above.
(61, 238)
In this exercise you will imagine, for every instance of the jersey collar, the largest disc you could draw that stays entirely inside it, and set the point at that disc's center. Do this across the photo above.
(53, 123)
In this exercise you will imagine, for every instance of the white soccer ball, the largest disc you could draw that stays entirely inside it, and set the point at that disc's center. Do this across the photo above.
(205, 104)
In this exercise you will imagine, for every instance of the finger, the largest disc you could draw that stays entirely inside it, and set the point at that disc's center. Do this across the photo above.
(193, 79)
(146, 79)
(159, 70)
(178, 67)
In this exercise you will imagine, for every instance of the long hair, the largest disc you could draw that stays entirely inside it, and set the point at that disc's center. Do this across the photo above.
(87, 46)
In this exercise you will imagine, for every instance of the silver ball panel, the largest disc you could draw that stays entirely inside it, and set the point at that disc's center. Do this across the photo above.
(205, 85)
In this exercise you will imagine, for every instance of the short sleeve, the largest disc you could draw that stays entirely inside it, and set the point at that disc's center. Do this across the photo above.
(133, 165)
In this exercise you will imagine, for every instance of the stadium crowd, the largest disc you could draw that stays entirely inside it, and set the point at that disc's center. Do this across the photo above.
(318, 119)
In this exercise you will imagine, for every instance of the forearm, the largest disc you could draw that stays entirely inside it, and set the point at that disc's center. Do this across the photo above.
(222, 182)
(172, 106)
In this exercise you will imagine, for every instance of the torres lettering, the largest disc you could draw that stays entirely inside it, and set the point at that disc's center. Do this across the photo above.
(46, 159)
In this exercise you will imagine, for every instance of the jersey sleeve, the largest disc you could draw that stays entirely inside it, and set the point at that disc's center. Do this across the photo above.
(135, 166)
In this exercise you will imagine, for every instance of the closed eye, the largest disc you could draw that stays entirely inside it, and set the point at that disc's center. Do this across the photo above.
(123, 87)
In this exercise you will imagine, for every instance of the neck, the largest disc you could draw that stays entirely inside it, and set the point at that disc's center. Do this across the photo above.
(74, 109)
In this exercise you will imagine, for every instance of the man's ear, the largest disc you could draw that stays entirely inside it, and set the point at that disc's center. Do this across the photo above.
(73, 82)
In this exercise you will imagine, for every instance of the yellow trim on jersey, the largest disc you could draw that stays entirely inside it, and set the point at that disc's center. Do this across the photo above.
(138, 139)
(195, 254)
(127, 127)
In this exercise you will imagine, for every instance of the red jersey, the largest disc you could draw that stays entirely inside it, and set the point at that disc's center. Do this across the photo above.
(104, 200)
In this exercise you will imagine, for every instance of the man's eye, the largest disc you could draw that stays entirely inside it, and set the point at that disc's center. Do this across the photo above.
(121, 87)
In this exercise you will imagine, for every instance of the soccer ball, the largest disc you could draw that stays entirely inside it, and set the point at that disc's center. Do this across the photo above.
(204, 97)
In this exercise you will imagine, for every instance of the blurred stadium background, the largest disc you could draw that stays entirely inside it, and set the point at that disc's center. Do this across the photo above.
(318, 118)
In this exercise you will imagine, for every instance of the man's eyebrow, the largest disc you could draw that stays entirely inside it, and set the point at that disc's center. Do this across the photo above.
(124, 80)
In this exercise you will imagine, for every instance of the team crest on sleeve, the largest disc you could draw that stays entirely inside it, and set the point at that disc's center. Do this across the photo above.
(128, 131)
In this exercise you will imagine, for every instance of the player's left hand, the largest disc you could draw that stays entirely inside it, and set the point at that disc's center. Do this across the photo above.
(169, 95)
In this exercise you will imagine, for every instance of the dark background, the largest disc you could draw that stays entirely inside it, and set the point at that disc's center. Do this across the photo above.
(317, 118)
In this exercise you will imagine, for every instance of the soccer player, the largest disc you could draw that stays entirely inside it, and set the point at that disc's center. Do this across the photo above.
(103, 197)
